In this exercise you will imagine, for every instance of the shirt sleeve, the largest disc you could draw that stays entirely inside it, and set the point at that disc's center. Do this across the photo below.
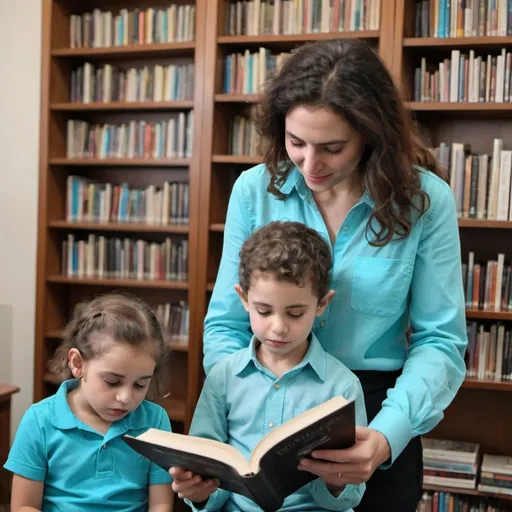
(210, 422)
(28, 455)
(158, 475)
(351, 495)
(435, 368)
(226, 325)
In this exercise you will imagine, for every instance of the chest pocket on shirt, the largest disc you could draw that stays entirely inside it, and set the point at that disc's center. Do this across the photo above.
(379, 285)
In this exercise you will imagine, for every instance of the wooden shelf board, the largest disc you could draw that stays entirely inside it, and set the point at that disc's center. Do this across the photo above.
(237, 159)
(116, 226)
(456, 42)
(117, 283)
(51, 379)
(236, 98)
(54, 333)
(218, 228)
(175, 407)
(127, 51)
(484, 223)
(122, 105)
(122, 162)
(469, 492)
(488, 315)
(286, 39)
(453, 106)
(490, 385)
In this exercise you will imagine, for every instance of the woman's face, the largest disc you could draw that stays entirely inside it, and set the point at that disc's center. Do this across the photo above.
(322, 145)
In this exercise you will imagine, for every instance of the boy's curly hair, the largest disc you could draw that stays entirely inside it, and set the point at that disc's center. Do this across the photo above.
(124, 319)
(287, 251)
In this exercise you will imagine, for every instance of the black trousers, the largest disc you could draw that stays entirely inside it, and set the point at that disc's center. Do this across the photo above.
(399, 488)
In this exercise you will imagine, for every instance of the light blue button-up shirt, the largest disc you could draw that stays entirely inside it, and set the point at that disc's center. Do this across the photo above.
(82, 469)
(380, 292)
(242, 401)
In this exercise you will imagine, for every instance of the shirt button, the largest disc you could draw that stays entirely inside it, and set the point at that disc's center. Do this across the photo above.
(271, 424)
(277, 385)
(104, 446)
(322, 324)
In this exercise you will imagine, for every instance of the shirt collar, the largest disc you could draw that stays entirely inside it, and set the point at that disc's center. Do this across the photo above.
(315, 357)
(296, 180)
(63, 418)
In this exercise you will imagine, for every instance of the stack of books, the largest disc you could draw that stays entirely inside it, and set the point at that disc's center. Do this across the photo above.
(496, 474)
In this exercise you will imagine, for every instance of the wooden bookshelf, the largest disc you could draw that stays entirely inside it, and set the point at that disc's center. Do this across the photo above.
(467, 492)
(56, 294)
(481, 410)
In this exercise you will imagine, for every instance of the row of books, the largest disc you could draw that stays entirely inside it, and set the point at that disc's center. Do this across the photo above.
(487, 285)
(105, 29)
(174, 320)
(480, 182)
(460, 465)
(243, 139)
(489, 353)
(170, 138)
(472, 18)
(115, 258)
(92, 201)
(245, 73)
(255, 17)
(441, 501)
(156, 83)
(465, 78)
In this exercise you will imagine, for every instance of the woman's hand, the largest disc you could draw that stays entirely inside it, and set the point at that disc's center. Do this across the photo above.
(191, 486)
(353, 465)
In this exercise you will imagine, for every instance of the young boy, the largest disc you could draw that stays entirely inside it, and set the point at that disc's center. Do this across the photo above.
(284, 279)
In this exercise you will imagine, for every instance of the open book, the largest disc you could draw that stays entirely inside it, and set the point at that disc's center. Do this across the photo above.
(271, 474)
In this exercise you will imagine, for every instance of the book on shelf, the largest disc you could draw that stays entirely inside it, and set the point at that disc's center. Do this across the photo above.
(489, 353)
(465, 78)
(105, 29)
(155, 83)
(449, 463)
(438, 18)
(481, 182)
(169, 138)
(496, 474)
(92, 201)
(301, 16)
(243, 138)
(444, 501)
(174, 321)
(115, 258)
(271, 474)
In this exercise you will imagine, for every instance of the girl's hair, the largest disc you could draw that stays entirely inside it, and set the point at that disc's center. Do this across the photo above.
(348, 78)
(287, 251)
(123, 318)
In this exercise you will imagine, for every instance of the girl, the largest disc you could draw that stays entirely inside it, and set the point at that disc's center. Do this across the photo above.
(340, 156)
(69, 453)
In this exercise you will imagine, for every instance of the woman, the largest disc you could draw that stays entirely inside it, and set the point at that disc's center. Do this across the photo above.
(341, 157)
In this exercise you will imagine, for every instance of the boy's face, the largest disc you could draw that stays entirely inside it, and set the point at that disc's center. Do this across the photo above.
(282, 314)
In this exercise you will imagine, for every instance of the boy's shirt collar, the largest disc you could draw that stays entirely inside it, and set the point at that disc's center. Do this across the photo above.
(315, 357)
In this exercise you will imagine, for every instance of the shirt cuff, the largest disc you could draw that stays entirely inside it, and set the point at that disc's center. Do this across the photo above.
(25, 471)
(396, 428)
(348, 498)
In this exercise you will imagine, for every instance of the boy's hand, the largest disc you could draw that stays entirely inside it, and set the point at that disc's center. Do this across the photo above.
(188, 485)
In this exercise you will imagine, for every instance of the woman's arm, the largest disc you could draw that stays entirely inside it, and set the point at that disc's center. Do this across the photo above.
(27, 495)
(226, 326)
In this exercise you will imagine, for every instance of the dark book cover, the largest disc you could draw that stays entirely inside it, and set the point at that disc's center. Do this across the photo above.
(278, 476)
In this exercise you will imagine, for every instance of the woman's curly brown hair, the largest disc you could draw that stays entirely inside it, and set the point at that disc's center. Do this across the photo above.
(124, 319)
(348, 78)
(287, 251)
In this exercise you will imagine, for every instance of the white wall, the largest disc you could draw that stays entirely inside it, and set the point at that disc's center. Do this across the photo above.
(20, 52)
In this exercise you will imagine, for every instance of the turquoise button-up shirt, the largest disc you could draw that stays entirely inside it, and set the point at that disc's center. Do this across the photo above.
(380, 292)
(242, 401)
(82, 469)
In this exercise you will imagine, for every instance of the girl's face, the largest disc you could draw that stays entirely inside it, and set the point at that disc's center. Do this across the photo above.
(116, 381)
(323, 146)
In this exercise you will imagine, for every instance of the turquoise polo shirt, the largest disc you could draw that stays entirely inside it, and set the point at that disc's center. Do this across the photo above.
(242, 401)
(82, 469)
(381, 292)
